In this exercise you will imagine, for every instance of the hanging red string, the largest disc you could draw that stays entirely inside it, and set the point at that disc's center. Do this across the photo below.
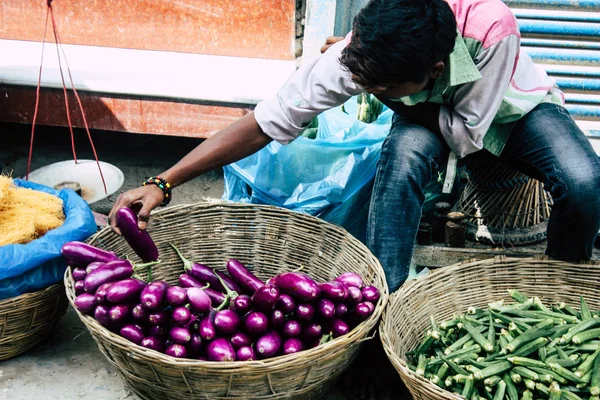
(50, 12)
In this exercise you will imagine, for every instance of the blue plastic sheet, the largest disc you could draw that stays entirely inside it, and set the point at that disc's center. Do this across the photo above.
(36, 265)
(329, 177)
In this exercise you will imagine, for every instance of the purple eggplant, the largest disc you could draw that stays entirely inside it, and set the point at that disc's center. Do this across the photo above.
(176, 296)
(196, 344)
(191, 324)
(132, 333)
(268, 346)
(216, 298)
(277, 319)
(181, 316)
(199, 301)
(354, 295)
(227, 321)
(153, 295)
(240, 339)
(243, 277)
(101, 292)
(220, 350)
(120, 313)
(206, 329)
(371, 293)
(338, 328)
(139, 313)
(297, 285)
(292, 345)
(312, 331)
(93, 266)
(187, 281)
(291, 328)
(265, 298)
(340, 310)
(304, 312)
(286, 303)
(256, 323)
(79, 274)
(245, 353)
(79, 288)
(101, 314)
(364, 310)
(152, 343)
(334, 291)
(125, 291)
(85, 303)
(241, 304)
(139, 240)
(207, 274)
(180, 335)
(158, 331)
(109, 272)
(325, 309)
(177, 351)
(158, 318)
(350, 279)
(84, 254)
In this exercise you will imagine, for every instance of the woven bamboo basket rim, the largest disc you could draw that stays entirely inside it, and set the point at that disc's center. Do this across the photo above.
(354, 337)
(411, 287)
(24, 299)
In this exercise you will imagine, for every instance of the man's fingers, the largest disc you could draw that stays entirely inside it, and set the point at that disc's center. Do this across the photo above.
(144, 216)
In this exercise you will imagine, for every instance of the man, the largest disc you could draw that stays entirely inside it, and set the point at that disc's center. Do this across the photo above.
(460, 85)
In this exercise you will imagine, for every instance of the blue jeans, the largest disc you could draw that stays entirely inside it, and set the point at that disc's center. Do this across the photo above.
(546, 144)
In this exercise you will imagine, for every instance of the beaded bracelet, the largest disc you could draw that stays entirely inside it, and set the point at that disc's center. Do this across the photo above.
(163, 185)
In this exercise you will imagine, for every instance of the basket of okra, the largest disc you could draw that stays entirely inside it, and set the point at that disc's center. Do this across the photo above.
(498, 329)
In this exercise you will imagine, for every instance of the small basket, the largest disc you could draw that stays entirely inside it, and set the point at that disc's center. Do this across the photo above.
(268, 240)
(28, 319)
(474, 284)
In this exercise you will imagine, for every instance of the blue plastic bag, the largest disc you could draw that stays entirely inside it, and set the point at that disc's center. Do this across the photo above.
(25, 268)
(329, 177)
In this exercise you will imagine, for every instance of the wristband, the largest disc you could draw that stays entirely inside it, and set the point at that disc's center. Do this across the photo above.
(162, 185)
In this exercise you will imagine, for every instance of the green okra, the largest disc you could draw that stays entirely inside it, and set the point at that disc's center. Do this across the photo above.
(478, 337)
(565, 373)
(511, 389)
(500, 390)
(526, 373)
(585, 311)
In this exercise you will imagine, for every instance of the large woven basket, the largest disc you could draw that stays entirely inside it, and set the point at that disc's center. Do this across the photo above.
(28, 319)
(454, 289)
(269, 240)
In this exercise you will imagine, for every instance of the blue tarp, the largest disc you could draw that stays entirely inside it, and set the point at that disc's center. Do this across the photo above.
(36, 265)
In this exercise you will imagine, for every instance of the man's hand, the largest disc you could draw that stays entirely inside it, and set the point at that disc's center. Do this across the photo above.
(141, 200)
(331, 40)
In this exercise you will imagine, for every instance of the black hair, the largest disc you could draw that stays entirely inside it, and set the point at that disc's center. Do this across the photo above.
(399, 41)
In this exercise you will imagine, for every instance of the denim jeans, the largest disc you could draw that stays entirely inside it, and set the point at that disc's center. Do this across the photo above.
(546, 144)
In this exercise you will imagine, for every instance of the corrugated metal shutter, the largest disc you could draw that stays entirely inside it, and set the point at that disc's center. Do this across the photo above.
(563, 36)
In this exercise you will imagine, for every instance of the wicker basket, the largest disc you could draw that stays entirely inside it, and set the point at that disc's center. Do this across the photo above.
(269, 240)
(502, 205)
(454, 289)
(28, 319)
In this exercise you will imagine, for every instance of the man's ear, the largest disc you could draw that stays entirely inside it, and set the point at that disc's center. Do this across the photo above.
(437, 70)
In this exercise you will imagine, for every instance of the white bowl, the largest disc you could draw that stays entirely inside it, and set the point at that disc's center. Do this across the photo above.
(84, 172)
